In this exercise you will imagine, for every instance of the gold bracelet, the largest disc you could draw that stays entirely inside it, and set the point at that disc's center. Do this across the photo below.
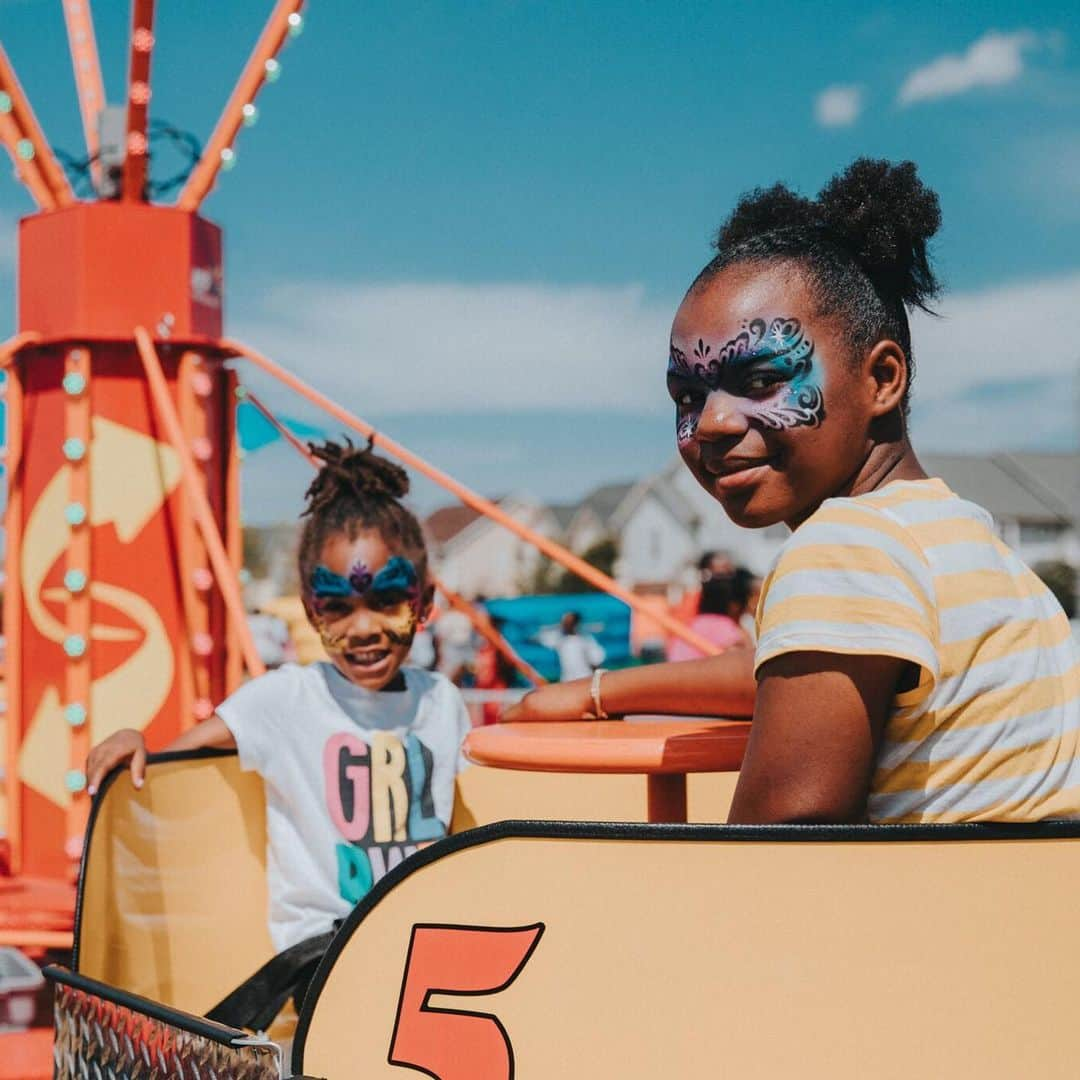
(594, 693)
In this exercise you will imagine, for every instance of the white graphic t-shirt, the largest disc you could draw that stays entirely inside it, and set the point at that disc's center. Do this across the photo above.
(356, 780)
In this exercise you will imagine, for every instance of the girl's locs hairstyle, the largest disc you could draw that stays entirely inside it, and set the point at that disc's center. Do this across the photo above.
(862, 242)
(356, 489)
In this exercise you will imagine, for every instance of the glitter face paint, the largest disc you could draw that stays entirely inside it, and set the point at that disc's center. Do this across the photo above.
(392, 596)
(767, 369)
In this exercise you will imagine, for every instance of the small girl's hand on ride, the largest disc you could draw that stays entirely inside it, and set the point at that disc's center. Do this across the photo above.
(127, 745)
(556, 701)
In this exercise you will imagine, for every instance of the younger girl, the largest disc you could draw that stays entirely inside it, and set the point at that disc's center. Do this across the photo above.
(358, 755)
(909, 667)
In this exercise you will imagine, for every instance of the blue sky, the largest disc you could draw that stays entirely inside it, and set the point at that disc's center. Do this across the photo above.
(472, 222)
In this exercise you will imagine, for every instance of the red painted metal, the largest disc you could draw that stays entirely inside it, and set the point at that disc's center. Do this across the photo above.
(122, 265)
(138, 100)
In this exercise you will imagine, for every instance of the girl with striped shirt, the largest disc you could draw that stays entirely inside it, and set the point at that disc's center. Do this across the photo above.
(909, 667)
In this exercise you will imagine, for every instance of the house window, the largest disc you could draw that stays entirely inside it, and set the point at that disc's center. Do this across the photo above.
(654, 543)
(1041, 532)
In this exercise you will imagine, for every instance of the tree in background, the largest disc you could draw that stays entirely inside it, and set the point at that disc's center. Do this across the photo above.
(1061, 579)
(549, 577)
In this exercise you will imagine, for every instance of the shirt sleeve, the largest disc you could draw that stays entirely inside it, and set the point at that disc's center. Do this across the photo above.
(851, 580)
(253, 713)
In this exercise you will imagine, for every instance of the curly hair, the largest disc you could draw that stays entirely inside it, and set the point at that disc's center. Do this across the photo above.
(863, 242)
(356, 489)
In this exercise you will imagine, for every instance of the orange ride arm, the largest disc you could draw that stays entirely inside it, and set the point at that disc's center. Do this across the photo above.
(200, 505)
(35, 163)
(484, 506)
(247, 89)
(87, 68)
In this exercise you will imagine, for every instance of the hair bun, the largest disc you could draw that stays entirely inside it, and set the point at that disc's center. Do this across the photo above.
(885, 215)
(765, 210)
(354, 471)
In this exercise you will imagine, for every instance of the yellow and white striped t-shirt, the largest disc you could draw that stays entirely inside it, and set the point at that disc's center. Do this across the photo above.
(992, 730)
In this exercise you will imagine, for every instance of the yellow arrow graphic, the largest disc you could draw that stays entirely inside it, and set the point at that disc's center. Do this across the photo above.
(131, 475)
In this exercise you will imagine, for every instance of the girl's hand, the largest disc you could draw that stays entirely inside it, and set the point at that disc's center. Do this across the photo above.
(127, 745)
(557, 701)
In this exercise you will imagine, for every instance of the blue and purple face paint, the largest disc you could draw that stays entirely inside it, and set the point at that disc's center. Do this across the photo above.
(393, 593)
(768, 368)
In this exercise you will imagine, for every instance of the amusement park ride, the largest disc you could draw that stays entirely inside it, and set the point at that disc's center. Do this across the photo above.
(565, 945)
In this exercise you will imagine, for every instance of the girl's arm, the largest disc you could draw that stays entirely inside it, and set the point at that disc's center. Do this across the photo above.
(817, 727)
(128, 745)
(716, 686)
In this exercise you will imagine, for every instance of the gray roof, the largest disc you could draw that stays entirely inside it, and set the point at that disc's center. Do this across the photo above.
(1003, 484)
(604, 501)
(564, 513)
(1059, 474)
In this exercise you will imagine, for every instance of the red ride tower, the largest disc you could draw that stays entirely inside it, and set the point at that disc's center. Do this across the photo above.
(123, 529)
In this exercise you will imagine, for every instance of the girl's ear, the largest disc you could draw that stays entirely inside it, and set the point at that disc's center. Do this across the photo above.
(887, 368)
(427, 603)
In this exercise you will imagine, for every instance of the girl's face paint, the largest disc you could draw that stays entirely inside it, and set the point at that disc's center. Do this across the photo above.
(365, 602)
(766, 371)
(751, 362)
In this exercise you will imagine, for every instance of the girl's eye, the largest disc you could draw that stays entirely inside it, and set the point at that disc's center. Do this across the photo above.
(757, 383)
(384, 600)
(686, 398)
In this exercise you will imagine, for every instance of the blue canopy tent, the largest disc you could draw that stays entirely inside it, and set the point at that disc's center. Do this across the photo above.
(525, 618)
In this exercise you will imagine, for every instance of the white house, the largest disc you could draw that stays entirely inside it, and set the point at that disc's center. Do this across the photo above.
(477, 557)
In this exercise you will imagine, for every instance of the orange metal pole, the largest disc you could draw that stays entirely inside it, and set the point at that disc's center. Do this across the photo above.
(260, 66)
(484, 506)
(88, 82)
(78, 672)
(10, 347)
(27, 171)
(13, 396)
(30, 144)
(37, 939)
(135, 148)
(480, 624)
(200, 505)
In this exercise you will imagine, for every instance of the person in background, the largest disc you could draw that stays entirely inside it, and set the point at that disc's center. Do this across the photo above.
(579, 654)
(272, 641)
(492, 672)
(721, 603)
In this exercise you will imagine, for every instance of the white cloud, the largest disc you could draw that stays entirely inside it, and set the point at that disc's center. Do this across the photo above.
(838, 106)
(993, 60)
(1000, 368)
(438, 348)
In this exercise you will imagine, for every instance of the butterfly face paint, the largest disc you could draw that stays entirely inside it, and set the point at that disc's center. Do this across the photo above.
(390, 598)
(767, 369)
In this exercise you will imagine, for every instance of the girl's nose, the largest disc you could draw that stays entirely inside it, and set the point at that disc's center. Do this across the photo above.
(362, 626)
(721, 417)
